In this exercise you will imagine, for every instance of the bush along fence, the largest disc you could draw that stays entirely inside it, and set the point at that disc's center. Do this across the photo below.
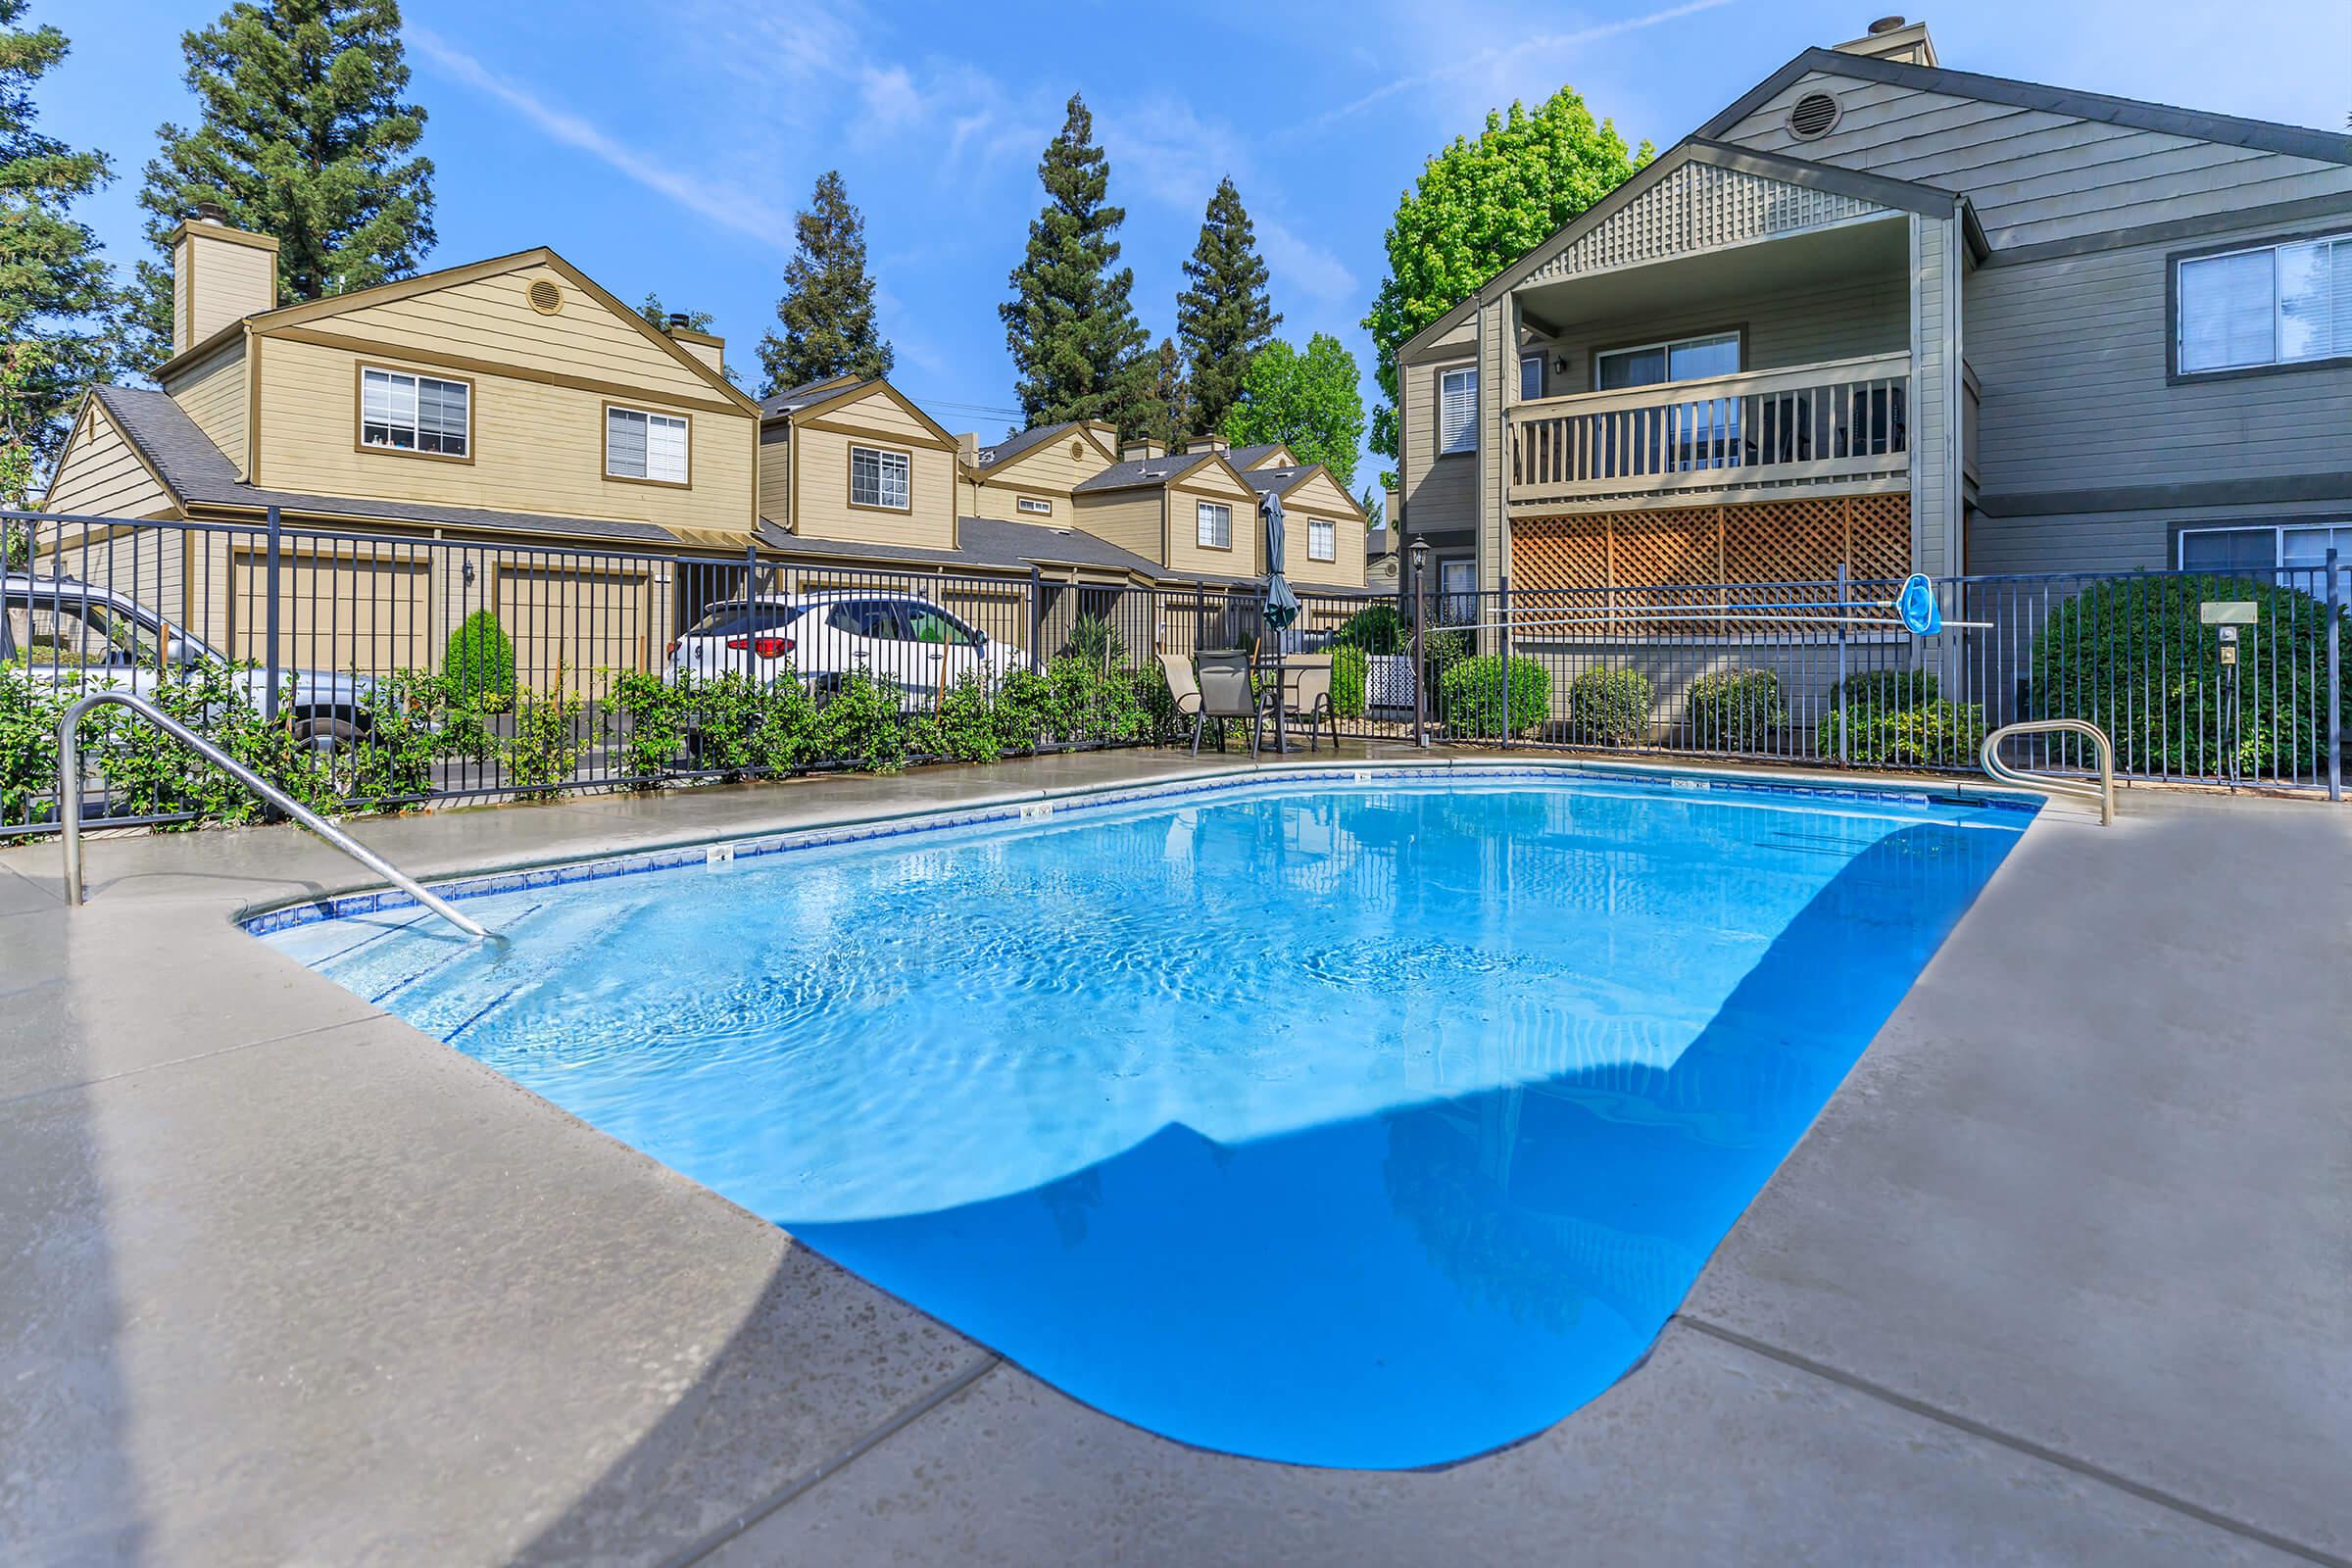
(369, 671)
(1756, 670)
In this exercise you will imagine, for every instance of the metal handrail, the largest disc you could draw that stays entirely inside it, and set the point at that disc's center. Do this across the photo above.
(2102, 792)
(69, 796)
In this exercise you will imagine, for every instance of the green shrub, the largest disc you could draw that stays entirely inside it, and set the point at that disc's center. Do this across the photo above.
(1608, 708)
(1348, 663)
(655, 709)
(1887, 688)
(1735, 711)
(545, 748)
(2131, 657)
(1475, 692)
(479, 662)
(963, 729)
(28, 713)
(1024, 710)
(1375, 629)
(1934, 733)
(861, 724)
(1094, 641)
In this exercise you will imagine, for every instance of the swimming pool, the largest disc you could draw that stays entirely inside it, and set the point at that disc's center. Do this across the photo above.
(1371, 1124)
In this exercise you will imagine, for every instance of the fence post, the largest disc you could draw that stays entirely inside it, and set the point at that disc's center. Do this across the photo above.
(1420, 565)
(1037, 620)
(2335, 680)
(751, 572)
(1844, 592)
(1504, 600)
(269, 624)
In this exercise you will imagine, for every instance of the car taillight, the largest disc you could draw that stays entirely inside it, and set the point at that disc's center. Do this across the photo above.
(672, 651)
(765, 647)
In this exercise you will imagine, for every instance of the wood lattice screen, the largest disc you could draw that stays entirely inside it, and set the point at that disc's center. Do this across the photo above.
(1680, 548)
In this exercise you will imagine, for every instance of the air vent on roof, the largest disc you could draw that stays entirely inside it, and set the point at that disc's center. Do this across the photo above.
(545, 297)
(1812, 116)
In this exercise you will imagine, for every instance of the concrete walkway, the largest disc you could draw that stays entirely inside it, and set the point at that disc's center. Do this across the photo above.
(2062, 1274)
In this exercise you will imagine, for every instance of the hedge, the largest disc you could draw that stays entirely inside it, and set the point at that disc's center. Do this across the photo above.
(1609, 707)
(480, 660)
(1895, 719)
(1474, 694)
(1737, 711)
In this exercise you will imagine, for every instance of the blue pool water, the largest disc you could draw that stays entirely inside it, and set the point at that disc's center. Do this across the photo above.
(1347, 1125)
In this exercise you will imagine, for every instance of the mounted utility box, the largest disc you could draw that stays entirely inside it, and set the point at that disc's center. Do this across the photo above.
(2227, 611)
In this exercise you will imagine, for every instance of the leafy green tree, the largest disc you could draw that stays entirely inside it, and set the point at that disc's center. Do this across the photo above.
(305, 134)
(1308, 402)
(54, 285)
(1478, 206)
(1077, 348)
(653, 311)
(1223, 317)
(827, 311)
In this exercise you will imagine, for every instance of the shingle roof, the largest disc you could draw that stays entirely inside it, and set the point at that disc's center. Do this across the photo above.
(196, 472)
(793, 398)
(1145, 470)
(1243, 457)
(1264, 480)
(989, 545)
(1020, 441)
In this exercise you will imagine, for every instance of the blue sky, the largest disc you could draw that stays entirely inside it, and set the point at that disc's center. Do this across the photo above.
(667, 147)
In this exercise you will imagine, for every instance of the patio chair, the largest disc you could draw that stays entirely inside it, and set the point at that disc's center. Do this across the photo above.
(1307, 694)
(1227, 693)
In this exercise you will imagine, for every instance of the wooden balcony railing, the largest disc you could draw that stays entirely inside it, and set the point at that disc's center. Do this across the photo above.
(1831, 423)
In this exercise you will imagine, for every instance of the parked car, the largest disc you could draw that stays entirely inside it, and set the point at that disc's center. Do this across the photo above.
(901, 640)
(82, 637)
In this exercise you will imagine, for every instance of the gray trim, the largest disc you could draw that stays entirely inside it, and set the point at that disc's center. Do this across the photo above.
(2174, 375)
(2295, 141)
(2162, 497)
(2174, 528)
(2116, 239)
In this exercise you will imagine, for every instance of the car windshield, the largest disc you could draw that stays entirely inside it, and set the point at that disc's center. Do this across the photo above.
(735, 619)
(64, 629)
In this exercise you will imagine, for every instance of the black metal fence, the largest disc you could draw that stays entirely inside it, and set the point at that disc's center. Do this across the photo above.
(372, 669)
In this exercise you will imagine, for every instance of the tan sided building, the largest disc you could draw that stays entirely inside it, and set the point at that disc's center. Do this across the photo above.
(503, 406)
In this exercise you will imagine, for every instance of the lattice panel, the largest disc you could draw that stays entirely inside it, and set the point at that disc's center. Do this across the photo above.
(1785, 541)
(1881, 544)
(1650, 551)
(1561, 555)
(1701, 207)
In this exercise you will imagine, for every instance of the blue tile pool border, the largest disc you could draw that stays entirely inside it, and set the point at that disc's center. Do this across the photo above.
(1046, 806)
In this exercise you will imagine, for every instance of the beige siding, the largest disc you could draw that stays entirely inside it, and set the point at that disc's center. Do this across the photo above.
(360, 607)
(490, 318)
(822, 493)
(775, 475)
(1128, 518)
(578, 626)
(1184, 555)
(1048, 473)
(99, 475)
(2034, 175)
(1321, 499)
(536, 448)
(228, 282)
(2073, 354)
(214, 394)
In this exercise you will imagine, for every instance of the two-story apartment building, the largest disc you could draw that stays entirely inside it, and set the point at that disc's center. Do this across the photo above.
(1905, 318)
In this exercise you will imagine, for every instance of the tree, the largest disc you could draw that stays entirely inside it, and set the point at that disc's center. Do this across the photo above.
(304, 134)
(1308, 402)
(1167, 396)
(1478, 206)
(653, 311)
(828, 309)
(1077, 348)
(1223, 318)
(1375, 513)
(54, 285)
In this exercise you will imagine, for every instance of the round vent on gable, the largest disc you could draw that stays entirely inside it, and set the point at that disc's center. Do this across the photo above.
(545, 297)
(1077, 448)
(1812, 116)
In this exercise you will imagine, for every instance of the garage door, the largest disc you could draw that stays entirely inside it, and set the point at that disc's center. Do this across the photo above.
(578, 626)
(337, 610)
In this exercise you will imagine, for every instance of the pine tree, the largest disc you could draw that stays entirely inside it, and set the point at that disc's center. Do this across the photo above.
(1167, 395)
(827, 311)
(1077, 348)
(304, 135)
(1223, 318)
(54, 285)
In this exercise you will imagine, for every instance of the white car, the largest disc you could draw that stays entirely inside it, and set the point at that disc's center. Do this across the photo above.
(903, 640)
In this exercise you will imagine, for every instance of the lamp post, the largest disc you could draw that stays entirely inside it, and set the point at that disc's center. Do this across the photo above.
(1420, 555)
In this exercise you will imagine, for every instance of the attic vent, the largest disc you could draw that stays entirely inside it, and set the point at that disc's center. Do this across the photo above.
(546, 298)
(1077, 448)
(1812, 117)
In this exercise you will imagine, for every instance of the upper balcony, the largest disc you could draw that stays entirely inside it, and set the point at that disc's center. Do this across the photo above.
(1839, 423)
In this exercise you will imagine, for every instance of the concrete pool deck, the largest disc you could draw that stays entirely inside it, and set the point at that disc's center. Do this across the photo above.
(2062, 1273)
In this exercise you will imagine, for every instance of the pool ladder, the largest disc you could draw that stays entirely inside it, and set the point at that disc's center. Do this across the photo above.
(70, 793)
(2102, 792)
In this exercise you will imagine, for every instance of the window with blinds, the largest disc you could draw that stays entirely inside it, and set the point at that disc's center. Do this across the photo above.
(1213, 525)
(1322, 540)
(1458, 409)
(2273, 305)
(404, 413)
(639, 445)
(880, 478)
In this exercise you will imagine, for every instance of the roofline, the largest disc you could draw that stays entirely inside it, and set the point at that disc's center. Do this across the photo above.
(866, 386)
(1092, 427)
(200, 350)
(2265, 135)
(1306, 473)
(81, 419)
(1089, 487)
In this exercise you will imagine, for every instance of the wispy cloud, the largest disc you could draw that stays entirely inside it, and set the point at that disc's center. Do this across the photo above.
(1306, 265)
(718, 199)
(1502, 54)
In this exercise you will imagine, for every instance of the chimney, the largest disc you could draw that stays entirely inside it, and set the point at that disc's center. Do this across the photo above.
(967, 448)
(1141, 452)
(711, 350)
(1894, 38)
(1208, 443)
(219, 274)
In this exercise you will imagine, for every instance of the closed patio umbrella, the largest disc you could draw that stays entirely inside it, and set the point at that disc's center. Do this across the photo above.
(1282, 608)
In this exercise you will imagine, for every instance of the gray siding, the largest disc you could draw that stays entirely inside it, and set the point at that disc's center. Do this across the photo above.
(1795, 328)
(1934, 402)
(1440, 492)
(2036, 177)
(2073, 352)
(2117, 541)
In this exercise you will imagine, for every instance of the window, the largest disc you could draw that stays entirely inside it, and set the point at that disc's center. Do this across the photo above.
(645, 446)
(928, 623)
(1530, 377)
(2277, 305)
(879, 479)
(1457, 588)
(1038, 505)
(404, 413)
(1457, 411)
(1213, 523)
(2293, 547)
(1322, 540)
(1683, 359)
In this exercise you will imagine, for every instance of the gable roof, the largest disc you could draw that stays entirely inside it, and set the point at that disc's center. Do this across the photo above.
(2136, 113)
(797, 403)
(197, 473)
(1286, 481)
(1134, 472)
(1246, 458)
(793, 398)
